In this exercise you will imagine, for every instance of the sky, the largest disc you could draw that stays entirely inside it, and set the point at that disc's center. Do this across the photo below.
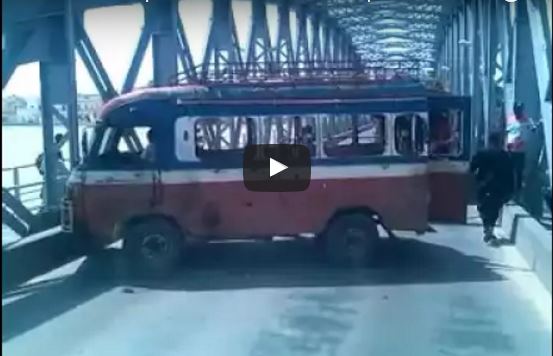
(114, 31)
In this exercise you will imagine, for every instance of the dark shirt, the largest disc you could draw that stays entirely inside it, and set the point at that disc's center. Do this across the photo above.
(494, 173)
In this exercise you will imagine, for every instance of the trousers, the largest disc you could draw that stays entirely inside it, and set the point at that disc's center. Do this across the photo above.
(489, 207)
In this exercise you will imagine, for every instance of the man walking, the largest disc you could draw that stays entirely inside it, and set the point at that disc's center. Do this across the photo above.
(519, 127)
(493, 170)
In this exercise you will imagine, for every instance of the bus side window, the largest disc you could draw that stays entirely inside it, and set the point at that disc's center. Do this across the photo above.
(184, 142)
(403, 134)
(127, 142)
(354, 134)
(445, 129)
(222, 136)
(421, 135)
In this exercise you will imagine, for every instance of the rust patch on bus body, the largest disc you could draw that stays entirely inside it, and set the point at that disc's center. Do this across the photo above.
(211, 216)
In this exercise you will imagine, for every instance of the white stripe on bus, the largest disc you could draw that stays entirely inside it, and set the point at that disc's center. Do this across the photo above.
(183, 176)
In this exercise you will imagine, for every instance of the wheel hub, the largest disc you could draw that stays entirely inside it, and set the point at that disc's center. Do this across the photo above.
(355, 241)
(154, 246)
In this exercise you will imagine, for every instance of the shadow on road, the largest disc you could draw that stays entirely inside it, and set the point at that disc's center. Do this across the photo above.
(42, 301)
(225, 266)
(298, 264)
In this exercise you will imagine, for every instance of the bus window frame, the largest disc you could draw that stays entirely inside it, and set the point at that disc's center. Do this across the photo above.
(460, 132)
(413, 118)
(353, 118)
(216, 154)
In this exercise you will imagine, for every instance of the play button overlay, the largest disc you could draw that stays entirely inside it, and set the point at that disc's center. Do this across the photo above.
(277, 168)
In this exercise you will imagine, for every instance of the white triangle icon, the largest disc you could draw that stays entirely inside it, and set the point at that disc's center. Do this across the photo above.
(275, 167)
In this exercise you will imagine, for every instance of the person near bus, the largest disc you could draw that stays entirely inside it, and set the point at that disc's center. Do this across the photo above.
(493, 172)
(308, 138)
(39, 162)
(62, 173)
(518, 128)
(149, 152)
(442, 136)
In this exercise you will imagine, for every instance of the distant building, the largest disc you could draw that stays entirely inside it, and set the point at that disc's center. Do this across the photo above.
(88, 107)
(11, 107)
(17, 110)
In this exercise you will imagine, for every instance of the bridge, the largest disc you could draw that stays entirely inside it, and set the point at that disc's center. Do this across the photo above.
(495, 51)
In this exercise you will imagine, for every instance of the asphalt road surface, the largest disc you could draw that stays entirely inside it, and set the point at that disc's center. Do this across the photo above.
(444, 293)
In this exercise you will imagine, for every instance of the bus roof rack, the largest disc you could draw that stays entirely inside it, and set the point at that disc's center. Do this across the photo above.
(305, 72)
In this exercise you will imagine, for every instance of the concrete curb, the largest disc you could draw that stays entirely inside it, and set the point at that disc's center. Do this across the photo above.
(531, 239)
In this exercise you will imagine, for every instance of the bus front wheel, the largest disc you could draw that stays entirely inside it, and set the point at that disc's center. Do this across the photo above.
(153, 248)
(350, 240)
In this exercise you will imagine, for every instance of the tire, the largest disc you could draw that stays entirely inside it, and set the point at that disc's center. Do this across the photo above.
(152, 248)
(350, 241)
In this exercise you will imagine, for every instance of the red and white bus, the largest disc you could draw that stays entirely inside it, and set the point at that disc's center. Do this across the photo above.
(392, 154)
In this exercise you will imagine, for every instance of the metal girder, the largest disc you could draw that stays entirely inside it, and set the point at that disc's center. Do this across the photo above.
(48, 79)
(477, 109)
(137, 58)
(366, 21)
(260, 54)
(72, 123)
(92, 62)
(336, 44)
(327, 43)
(161, 18)
(15, 44)
(527, 91)
(541, 45)
(284, 51)
(222, 56)
(302, 42)
(184, 52)
(15, 214)
(316, 50)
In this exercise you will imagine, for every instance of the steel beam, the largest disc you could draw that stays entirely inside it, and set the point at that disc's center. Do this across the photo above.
(284, 49)
(137, 58)
(11, 220)
(327, 43)
(494, 114)
(72, 114)
(316, 50)
(465, 52)
(161, 17)
(48, 83)
(16, 41)
(541, 47)
(527, 91)
(260, 56)
(222, 58)
(15, 214)
(477, 102)
(184, 52)
(93, 64)
(455, 54)
(336, 45)
(302, 42)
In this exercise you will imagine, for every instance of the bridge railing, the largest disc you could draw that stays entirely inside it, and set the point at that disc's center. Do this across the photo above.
(25, 184)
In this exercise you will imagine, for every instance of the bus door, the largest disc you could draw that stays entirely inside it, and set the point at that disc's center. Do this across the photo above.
(118, 173)
(449, 151)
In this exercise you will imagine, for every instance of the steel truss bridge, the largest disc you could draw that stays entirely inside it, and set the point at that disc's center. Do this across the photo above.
(494, 51)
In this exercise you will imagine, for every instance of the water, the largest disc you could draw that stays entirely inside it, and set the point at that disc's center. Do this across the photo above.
(20, 146)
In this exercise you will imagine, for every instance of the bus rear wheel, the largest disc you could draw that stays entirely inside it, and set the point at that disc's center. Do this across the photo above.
(350, 240)
(153, 248)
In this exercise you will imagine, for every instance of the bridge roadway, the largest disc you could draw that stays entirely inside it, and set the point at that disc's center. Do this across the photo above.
(444, 293)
